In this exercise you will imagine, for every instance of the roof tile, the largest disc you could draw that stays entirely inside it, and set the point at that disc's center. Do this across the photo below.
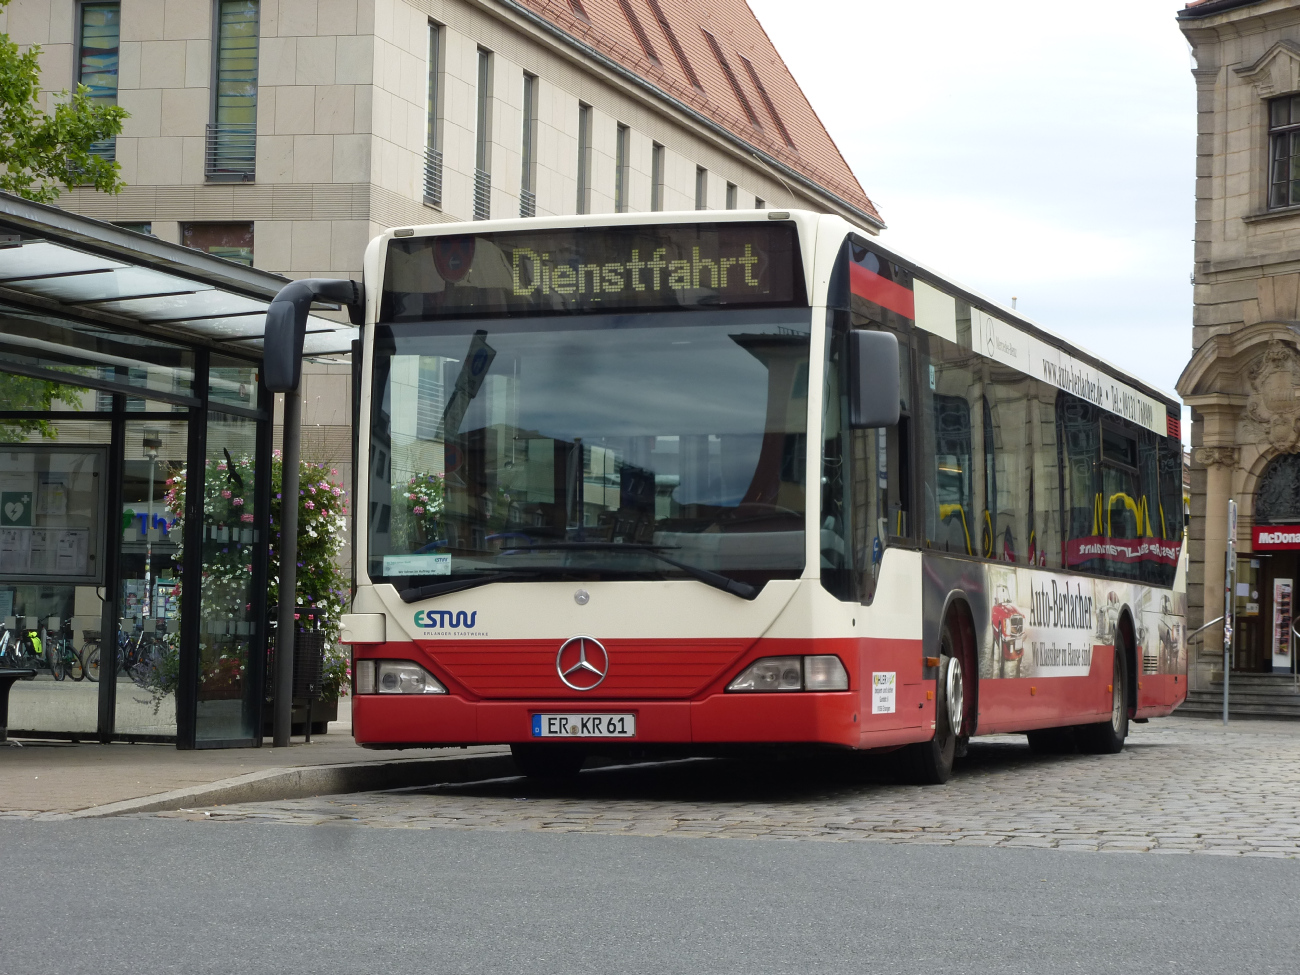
(669, 46)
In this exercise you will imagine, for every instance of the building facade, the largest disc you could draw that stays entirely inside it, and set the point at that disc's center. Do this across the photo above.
(1243, 380)
(286, 133)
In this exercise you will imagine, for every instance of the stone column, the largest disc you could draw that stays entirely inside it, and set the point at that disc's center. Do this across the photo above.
(1220, 462)
(1220, 456)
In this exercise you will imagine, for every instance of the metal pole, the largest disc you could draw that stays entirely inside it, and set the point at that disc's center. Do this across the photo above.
(1229, 600)
(287, 628)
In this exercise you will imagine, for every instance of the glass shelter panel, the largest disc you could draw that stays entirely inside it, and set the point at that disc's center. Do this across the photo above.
(52, 498)
(229, 708)
(147, 641)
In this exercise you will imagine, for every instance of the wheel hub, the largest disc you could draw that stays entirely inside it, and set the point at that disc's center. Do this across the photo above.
(955, 693)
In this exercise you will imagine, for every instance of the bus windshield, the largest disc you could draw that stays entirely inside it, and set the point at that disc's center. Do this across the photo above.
(586, 447)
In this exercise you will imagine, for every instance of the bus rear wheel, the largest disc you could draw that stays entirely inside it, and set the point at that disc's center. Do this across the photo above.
(930, 762)
(1107, 737)
(554, 762)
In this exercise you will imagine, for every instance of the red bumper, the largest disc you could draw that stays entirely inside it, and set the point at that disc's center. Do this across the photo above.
(829, 718)
(677, 693)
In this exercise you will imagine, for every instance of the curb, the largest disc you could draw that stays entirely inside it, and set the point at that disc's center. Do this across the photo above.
(306, 781)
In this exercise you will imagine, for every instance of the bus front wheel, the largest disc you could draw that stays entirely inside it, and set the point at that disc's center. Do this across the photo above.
(930, 762)
(1107, 737)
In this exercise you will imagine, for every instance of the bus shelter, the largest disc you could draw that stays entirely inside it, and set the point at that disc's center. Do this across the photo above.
(135, 482)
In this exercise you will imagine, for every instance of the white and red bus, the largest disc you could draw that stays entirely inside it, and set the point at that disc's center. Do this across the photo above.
(685, 482)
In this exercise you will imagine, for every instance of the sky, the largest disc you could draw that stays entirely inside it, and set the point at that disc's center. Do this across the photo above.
(1027, 148)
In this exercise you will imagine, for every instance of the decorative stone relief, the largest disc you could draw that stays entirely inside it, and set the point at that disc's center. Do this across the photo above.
(1277, 496)
(1274, 402)
(1277, 72)
(1216, 456)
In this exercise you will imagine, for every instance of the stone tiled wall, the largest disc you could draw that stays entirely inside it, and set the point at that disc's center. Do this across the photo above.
(1247, 285)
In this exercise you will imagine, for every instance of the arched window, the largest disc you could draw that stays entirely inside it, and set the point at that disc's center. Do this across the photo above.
(1277, 498)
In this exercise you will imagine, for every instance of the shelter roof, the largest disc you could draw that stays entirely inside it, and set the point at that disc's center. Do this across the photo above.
(69, 265)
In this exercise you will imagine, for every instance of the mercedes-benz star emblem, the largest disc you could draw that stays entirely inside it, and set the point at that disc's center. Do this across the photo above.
(582, 663)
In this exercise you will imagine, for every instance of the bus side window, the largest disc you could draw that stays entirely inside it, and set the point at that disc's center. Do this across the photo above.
(949, 417)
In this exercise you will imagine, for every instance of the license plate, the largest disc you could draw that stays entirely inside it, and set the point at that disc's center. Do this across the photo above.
(584, 725)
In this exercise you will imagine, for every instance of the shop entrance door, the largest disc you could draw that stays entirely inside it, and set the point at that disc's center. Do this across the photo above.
(1266, 592)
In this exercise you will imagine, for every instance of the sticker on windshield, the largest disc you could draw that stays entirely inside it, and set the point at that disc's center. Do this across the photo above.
(417, 565)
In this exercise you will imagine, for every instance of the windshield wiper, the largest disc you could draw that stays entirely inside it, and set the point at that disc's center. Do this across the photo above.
(417, 593)
(710, 578)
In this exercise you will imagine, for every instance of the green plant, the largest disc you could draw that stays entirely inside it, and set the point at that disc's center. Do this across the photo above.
(322, 587)
(417, 519)
(20, 393)
(39, 151)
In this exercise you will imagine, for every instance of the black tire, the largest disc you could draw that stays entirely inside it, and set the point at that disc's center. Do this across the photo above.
(90, 658)
(1051, 741)
(54, 654)
(76, 666)
(552, 762)
(1107, 737)
(930, 762)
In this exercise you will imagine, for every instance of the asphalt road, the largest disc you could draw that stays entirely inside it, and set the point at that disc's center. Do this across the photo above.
(160, 895)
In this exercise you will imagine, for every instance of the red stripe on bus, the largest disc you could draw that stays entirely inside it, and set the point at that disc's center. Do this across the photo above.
(887, 294)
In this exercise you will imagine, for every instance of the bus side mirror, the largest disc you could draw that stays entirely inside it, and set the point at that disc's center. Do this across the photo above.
(286, 325)
(873, 379)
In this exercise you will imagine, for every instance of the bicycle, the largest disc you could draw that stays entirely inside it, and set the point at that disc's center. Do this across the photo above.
(17, 649)
(139, 657)
(90, 656)
(62, 656)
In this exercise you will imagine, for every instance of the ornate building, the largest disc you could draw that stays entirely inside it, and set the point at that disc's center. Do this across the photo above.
(1243, 380)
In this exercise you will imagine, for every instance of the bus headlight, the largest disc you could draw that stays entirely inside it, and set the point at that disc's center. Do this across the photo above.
(395, 677)
(824, 673)
(813, 673)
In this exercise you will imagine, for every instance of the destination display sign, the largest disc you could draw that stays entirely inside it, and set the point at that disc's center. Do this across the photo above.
(581, 270)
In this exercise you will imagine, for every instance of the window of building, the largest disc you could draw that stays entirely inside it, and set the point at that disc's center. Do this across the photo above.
(584, 158)
(1284, 151)
(528, 150)
(139, 227)
(767, 100)
(701, 188)
(232, 135)
(97, 60)
(433, 141)
(760, 203)
(621, 168)
(657, 177)
(671, 36)
(232, 241)
(639, 30)
(732, 193)
(483, 139)
(732, 80)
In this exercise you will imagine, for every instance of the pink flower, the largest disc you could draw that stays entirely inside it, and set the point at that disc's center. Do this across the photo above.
(337, 492)
(334, 471)
(309, 505)
(418, 509)
(238, 502)
(225, 494)
(246, 518)
(221, 465)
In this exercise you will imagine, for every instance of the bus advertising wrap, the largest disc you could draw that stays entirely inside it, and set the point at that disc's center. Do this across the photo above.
(1049, 625)
(581, 270)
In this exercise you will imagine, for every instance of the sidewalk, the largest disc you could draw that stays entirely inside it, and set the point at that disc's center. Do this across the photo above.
(63, 778)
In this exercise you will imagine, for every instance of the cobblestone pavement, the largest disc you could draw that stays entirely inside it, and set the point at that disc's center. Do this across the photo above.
(1180, 786)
